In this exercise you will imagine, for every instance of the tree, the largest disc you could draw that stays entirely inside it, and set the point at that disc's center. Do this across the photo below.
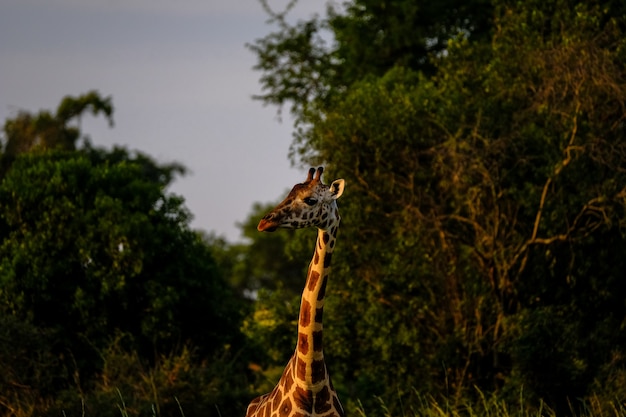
(50, 131)
(485, 209)
(92, 246)
(300, 67)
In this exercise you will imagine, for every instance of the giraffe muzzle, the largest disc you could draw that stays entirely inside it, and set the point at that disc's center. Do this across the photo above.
(266, 226)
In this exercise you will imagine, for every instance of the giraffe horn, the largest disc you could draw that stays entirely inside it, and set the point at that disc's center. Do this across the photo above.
(318, 177)
(310, 176)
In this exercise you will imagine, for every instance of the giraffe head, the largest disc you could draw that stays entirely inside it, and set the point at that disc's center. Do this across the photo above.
(311, 203)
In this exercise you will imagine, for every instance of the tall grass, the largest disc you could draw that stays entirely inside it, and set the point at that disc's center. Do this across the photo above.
(428, 406)
(491, 406)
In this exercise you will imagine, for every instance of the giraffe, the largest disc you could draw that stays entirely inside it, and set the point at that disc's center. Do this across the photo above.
(305, 389)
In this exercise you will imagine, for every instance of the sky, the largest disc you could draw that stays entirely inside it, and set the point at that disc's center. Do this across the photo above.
(181, 82)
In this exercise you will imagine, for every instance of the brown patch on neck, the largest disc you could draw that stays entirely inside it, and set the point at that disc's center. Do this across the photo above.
(305, 313)
(303, 399)
(318, 371)
(327, 259)
(300, 369)
(322, 293)
(319, 314)
(322, 401)
(303, 343)
(314, 276)
(317, 341)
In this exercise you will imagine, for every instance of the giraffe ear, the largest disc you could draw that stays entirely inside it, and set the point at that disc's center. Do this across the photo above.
(336, 188)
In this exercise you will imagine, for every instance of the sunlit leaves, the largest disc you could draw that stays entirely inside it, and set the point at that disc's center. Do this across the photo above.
(478, 197)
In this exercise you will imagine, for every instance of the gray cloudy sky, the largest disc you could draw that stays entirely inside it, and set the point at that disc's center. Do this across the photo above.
(181, 80)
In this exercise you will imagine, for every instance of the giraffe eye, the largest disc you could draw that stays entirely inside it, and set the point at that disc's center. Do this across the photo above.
(310, 201)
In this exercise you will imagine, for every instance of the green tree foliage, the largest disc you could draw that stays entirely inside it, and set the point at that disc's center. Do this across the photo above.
(90, 240)
(483, 227)
(373, 36)
(29, 368)
(299, 65)
(92, 246)
(50, 131)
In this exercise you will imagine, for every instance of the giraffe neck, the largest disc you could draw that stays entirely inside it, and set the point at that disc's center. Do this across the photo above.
(305, 388)
(310, 372)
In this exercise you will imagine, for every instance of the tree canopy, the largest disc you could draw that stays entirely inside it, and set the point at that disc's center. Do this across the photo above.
(480, 256)
(484, 152)
(94, 250)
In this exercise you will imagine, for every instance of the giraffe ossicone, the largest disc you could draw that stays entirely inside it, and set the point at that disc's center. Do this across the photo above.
(305, 388)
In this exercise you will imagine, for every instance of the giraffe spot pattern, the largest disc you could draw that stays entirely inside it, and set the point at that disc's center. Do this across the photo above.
(317, 341)
(322, 401)
(303, 399)
(320, 295)
(287, 377)
(303, 343)
(305, 314)
(277, 398)
(285, 407)
(316, 258)
(301, 369)
(318, 371)
(327, 258)
(319, 314)
(314, 276)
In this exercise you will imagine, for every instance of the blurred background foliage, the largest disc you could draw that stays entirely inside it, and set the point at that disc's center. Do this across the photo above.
(481, 248)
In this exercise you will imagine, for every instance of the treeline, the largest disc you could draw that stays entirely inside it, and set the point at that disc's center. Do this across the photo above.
(481, 251)
(106, 296)
(484, 148)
